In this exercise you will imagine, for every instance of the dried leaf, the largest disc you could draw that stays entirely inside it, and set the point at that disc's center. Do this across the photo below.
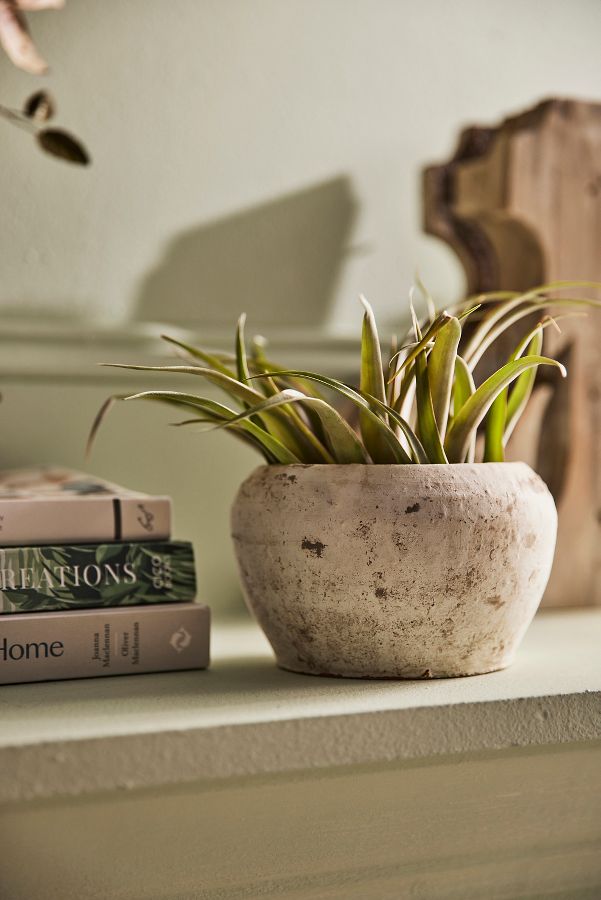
(65, 146)
(39, 107)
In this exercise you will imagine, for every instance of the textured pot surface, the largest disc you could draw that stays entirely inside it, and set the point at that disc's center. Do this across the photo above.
(394, 571)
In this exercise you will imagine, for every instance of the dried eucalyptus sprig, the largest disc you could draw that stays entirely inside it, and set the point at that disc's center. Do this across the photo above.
(421, 407)
(37, 110)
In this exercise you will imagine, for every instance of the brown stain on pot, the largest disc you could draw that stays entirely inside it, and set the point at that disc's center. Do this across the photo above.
(411, 509)
(314, 547)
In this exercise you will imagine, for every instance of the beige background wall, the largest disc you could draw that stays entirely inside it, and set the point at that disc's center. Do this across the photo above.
(262, 153)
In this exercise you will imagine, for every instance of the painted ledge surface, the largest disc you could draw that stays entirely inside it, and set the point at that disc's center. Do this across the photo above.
(244, 717)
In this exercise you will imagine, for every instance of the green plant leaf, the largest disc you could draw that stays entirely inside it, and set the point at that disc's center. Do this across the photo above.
(99, 419)
(428, 430)
(365, 401)
(274, 373)
(241, 361)
(522, 388)
(494, 450)
(497, 320)
(392, 385)
(221, 413)
(441, 371)
(500, 421)
(463, 388)
(238, 433)
(209, 359)
(229, 384)
(372, 376)
(421, 343)
(314, 428)
(504, 414)
(372, 382)
(293, 433)
(344, 444)
(465, 423)
(415, 445)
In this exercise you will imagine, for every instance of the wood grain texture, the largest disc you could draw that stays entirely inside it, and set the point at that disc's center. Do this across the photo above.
(521, 204)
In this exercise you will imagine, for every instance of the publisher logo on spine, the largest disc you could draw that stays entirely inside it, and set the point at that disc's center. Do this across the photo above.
(180, 639)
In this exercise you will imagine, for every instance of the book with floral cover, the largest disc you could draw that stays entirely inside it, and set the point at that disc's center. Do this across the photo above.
(80, 576)
(55, 505)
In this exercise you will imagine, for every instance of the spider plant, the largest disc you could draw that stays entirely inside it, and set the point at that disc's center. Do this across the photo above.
(422, 405)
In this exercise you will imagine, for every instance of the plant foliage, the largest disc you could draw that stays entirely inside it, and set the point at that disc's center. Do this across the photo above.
(422, 406)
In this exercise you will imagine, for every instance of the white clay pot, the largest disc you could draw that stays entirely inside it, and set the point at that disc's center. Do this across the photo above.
(394, 571)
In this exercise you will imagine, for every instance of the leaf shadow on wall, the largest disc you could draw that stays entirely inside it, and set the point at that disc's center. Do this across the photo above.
(280, 262)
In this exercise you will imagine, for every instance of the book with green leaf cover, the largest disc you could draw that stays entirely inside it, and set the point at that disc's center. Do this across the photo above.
(80, 576)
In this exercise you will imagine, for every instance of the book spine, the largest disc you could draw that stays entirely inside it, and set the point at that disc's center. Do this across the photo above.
(92, 643)
(41, 579)
(84, 519)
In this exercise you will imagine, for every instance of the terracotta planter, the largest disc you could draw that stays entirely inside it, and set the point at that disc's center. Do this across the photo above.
(394, 571)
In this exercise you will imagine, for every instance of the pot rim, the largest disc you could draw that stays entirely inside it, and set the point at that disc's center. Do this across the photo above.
(412, 467)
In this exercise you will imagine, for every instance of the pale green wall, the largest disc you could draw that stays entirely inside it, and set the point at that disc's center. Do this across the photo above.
(261, 155)
(207, 117)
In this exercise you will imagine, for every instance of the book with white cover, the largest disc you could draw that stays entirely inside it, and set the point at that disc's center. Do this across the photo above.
(53, 505)
(89, 643)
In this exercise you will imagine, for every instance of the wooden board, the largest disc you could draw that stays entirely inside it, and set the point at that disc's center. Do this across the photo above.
(521, 204)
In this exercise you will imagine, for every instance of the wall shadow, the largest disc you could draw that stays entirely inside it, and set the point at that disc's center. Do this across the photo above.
(279, 262)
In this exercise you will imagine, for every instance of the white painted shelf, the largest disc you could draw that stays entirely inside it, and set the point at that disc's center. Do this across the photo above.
(246, 717)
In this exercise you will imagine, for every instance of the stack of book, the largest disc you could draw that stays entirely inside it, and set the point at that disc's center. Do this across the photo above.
(91, 582)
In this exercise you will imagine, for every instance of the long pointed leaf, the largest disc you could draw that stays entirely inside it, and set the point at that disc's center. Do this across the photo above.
(504, 413)
(522, 389)
(415, 445)
(463, 388)
(175, 398)
(345, 446)
(372, 374)
(421, 343)
(441, 371)
(99, 419)
(535, 296)
(428, 431)
(494, 450)
(372, 383)
(209, 359)
(293, 434)
(365, 401)
(499, 420)
(262, 366)
(241, 361)
(237, 432)
(464, 424)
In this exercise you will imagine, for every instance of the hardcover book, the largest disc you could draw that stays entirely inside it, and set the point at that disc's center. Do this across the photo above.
(38, 579)
(51, 505)
(94, 642)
